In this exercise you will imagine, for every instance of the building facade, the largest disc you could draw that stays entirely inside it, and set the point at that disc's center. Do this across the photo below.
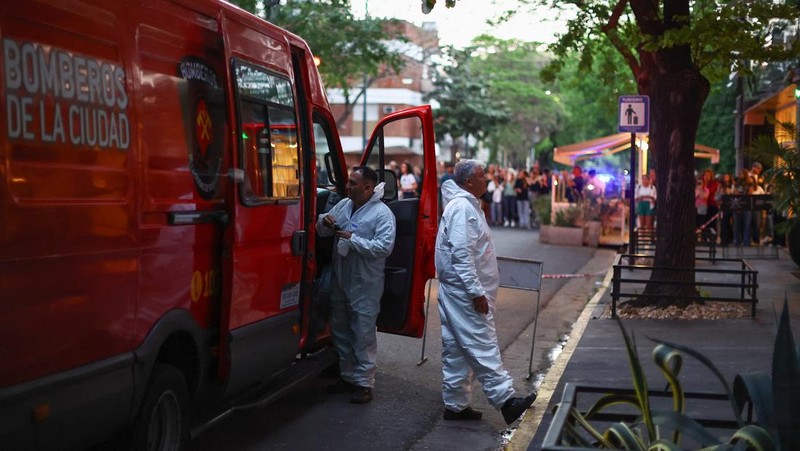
(389, 93)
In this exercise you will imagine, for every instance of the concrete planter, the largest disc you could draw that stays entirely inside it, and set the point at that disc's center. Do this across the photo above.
(591, 233)
(565, 236)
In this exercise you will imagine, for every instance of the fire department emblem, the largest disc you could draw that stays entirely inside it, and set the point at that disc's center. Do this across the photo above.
(203, 104)
(203, 127)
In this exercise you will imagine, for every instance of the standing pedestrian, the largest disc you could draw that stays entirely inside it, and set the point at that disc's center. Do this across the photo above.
(365, 231)
(756, 189)
(741, 213)
(534, 185)
(523, 206)
(509, 200)
(645, 203)
(700, 203)
(496, 189)
(468, 280)
(408, 181)
(726, 188)
(575, 184)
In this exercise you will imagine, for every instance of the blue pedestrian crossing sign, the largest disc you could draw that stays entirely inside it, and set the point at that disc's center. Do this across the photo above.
(634, 114)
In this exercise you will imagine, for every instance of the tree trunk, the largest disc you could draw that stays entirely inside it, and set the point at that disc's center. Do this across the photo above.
(677, 93)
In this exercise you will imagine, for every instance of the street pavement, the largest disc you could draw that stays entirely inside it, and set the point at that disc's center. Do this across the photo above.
(406, 413)
(595, 354)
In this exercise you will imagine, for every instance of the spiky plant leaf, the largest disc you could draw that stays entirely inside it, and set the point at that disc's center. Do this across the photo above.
(758, 388)
(610, 400)
(786, 383)
(639, 382)
(663, 445)
(623, 437)
(686, 425)
(584, 423)
(755, 438)
(573, 437)
(669, 361)
(710, 365)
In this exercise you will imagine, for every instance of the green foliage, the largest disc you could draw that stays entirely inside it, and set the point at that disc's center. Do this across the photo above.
(467, 105)
(719, 34)
(782, 171)
(717, 126)
(543, 209)
(775, 399)
(568, 217)
(589, 94)
(347, 47)
(512, 69)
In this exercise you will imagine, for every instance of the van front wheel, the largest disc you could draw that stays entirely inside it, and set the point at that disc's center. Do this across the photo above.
(163, 421)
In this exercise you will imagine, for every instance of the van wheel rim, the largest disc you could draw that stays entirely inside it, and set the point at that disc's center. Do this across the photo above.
(165, 424)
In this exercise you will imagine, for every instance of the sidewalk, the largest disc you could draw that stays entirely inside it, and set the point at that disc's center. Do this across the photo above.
(596, 355)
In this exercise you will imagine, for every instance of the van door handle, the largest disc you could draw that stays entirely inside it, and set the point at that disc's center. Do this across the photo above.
(299, 242)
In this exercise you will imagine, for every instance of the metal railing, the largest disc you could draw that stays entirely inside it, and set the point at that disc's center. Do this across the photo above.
(565, 432)
(723, 281)
(645, 243)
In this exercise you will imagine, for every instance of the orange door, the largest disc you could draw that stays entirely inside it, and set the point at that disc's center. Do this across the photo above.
(407, 132)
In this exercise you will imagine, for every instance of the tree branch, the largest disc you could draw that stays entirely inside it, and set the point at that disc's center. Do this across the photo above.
(613, 21)
(625, 51)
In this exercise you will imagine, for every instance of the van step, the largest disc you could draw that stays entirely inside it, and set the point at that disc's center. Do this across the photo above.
(301, 371)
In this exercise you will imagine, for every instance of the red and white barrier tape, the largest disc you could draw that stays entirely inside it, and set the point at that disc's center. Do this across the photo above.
(571, 276)
(700, 229)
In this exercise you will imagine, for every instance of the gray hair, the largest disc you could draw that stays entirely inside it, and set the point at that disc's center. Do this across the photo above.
(464, 169)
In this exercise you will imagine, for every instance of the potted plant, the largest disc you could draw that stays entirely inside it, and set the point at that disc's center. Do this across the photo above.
(563, 228)
(775, 400)
(783, 177)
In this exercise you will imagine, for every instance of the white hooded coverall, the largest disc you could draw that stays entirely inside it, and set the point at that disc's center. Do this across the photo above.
(467, 267)
(358, 265)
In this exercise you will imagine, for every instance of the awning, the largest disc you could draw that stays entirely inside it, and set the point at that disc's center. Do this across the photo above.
(609, 145)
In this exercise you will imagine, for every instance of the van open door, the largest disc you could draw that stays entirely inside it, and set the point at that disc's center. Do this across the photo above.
(407, 136)
(264, 244)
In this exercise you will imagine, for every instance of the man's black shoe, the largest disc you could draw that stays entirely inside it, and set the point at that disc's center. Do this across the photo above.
(515, 407)
(467, 414)
(361, 395)
(341, 387)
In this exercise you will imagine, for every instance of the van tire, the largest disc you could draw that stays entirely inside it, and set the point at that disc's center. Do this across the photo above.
(163, 420)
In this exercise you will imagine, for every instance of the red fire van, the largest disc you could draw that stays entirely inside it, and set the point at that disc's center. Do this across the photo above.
(162, 165)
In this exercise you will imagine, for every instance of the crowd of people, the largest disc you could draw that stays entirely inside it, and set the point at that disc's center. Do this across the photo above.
(512, 192)
(738, 224)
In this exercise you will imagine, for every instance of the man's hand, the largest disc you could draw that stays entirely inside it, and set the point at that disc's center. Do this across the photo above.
(344, 234)
(481, 305)
(328, 221)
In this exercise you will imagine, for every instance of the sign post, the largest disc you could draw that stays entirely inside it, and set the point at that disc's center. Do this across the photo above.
(634, 117)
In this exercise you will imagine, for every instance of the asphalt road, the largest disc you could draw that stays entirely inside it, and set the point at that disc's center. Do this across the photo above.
(406, 413)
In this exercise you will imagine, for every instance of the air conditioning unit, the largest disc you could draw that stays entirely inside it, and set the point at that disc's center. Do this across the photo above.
(389, 109)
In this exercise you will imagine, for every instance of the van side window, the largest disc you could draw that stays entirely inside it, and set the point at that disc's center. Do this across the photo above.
(324, 148)
(268, 138)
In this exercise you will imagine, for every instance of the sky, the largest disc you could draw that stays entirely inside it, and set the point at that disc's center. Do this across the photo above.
(458, 26)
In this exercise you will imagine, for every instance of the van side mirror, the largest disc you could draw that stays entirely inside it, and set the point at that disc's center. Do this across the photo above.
(390, 189)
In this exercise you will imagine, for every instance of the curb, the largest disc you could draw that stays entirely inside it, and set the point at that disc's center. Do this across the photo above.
(530, 423)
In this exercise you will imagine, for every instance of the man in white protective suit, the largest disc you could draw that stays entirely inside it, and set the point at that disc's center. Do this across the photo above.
(365, 232)
(468, 280)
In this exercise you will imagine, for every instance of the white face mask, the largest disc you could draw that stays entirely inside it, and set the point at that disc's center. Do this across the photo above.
(343, 247)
